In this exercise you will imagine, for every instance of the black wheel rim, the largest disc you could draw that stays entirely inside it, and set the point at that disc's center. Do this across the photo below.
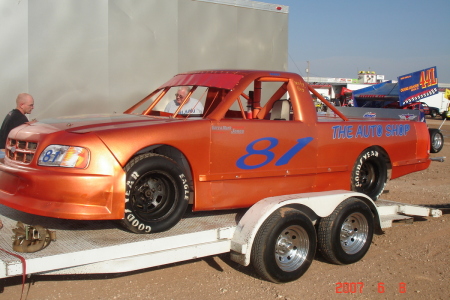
(368, 179)
(153, 196)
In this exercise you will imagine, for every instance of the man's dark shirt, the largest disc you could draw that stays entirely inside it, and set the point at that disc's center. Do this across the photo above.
(13, 119)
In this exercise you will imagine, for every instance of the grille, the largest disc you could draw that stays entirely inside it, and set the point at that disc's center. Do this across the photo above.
(20, 151)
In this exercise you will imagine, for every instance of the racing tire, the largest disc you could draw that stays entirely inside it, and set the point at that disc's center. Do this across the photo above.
(344, 237)
(369, 174)
(436, 140)
(284, 246)
(157, 194)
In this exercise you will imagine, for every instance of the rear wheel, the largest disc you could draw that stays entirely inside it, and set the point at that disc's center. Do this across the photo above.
(436, 140)
(344, 237)
(284, 246)
(157, 194)
(369, 174)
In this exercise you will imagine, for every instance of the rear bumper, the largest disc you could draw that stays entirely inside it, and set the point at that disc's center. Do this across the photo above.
(60, 193)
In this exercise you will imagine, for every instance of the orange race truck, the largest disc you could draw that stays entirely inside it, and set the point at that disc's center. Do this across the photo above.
(216, 139)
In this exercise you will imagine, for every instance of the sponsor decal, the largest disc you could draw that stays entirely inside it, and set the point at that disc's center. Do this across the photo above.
(409, 117)
(229, 129)
(418, 85)
(370, 115)
(370, 131)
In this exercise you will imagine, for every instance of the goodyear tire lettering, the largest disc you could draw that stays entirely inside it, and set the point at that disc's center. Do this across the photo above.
(156, 195)
(369, 174)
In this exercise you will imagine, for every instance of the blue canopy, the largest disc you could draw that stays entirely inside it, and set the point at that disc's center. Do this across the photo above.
(377, 95)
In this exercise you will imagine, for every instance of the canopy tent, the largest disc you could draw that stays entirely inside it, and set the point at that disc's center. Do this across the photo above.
(377, 95)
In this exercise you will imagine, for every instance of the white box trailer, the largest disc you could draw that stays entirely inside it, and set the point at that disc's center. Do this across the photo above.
(439, 101)
(80, 57)
(88, 247)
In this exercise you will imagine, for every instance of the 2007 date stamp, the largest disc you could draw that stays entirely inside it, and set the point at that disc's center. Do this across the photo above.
(358, 287)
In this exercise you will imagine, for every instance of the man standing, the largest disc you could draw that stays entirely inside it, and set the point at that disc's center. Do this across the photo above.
(16, 117)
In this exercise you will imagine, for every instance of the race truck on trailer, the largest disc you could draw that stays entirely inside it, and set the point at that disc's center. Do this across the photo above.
(247, 143)
(274, 167)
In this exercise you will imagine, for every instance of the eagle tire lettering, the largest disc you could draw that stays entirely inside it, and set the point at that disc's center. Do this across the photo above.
(157, 193)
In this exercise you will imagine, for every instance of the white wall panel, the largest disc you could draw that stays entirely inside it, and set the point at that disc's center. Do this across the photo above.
(13, 53)
(143, 48)
(95, 56)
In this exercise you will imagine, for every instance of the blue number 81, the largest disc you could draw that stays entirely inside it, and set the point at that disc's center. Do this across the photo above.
(301, 143)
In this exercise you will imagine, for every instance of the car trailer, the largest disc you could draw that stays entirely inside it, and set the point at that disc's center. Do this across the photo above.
(93, 247)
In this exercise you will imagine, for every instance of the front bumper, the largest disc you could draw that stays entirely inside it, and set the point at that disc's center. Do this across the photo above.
(63, 193)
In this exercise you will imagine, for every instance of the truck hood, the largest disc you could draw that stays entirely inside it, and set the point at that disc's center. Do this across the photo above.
(89, 123)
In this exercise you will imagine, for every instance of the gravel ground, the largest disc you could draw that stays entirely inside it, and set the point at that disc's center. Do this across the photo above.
(409, 261)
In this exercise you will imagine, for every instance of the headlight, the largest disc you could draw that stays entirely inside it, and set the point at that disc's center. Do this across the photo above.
(64, 156)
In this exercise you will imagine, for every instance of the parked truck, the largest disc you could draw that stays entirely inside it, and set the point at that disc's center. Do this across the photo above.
(437, 104)
(264, 177)
(246, 143)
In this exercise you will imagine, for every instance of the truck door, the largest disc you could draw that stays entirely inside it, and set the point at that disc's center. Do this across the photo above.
(251, 159)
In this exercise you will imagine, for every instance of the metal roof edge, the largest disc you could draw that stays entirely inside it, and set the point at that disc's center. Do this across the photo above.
(251, 4)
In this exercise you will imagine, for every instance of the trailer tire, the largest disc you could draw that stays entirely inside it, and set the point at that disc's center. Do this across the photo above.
(369, 174)
(284, 246)
(344, 237)
(157, 194)
(436, 140)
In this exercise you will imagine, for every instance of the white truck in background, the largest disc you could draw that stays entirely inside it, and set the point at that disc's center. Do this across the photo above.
(438, 105)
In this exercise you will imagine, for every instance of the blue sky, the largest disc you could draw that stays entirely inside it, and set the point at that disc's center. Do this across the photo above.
(391, 37)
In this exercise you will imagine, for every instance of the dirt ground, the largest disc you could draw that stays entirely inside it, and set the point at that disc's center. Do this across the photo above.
(409, 261)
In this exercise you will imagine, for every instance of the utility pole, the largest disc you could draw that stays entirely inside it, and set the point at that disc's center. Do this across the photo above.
(307, 71)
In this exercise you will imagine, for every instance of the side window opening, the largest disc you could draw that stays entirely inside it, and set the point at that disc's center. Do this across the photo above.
(274, 102)
(179, 101)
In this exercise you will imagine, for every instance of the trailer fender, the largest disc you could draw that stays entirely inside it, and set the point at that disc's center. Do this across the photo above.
(314, 205)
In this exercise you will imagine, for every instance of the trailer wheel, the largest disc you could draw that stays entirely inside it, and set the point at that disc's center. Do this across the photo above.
(344, 237)
(369, 174)
(284, 246)
(436, 140)
(157, 194)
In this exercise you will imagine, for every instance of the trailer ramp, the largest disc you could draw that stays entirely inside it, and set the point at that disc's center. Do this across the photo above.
(83, 247)
(391, 211)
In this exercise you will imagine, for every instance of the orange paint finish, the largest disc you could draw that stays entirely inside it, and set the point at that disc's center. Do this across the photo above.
(230, 161)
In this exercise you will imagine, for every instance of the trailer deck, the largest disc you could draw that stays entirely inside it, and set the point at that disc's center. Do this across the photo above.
(87, 247)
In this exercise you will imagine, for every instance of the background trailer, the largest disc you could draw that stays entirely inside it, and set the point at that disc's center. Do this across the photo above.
(79, 57)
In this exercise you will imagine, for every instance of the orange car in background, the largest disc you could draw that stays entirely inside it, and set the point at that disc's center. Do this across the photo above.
(237, 137)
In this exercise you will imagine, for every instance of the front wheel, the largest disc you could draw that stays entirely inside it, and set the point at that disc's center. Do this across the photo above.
(369, 174)
(433, 113)
(157, 194)
(284, 246)
(344, 237)
(436, 140)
